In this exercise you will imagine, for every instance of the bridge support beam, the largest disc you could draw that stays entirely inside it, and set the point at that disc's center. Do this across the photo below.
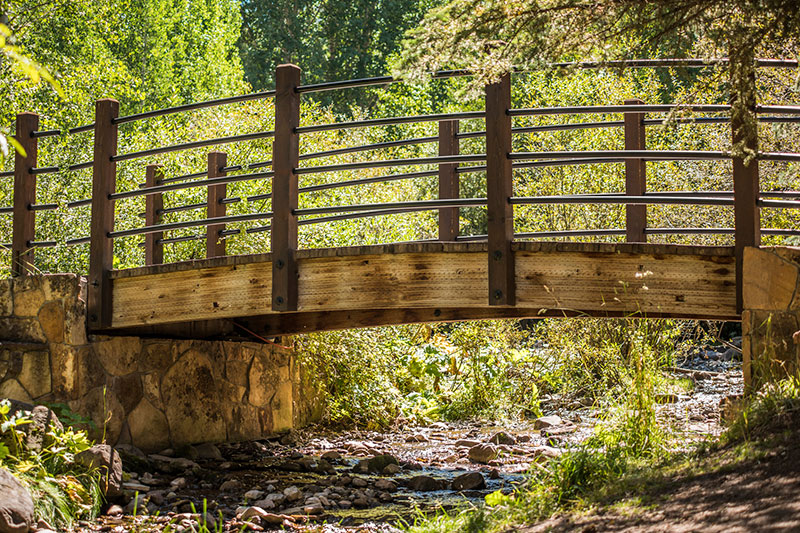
(104, 182)
(771, 316)
(499, 185)
(285, 159)
(24, 224)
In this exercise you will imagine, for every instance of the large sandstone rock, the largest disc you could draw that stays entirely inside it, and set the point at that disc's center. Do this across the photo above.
(107, 460)
(16, 505)
(191, 401)
(35, 374)
(148, 426)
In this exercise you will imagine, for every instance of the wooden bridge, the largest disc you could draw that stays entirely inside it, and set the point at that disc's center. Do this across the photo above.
(504, 274)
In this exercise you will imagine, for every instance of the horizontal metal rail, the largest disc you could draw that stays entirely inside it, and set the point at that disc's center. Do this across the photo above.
(185, 177)
(79, 203)
(778, 156)
(368, 123)
(364, 181)
(54, 133)
(193, 106)
(620, 199)
(78, 240)
(54, 169)
(671, 63)
(779, 204)
(785, 109)
(650, 155)
(194, 144)
(360, 214)
(368, 147)
(6, 210)
(189, 224)
(643, 108)
(42, 244)
(429, 204)
(433, 160)
(43, 207)
(6, 174)
(368, 82)
(189, 184)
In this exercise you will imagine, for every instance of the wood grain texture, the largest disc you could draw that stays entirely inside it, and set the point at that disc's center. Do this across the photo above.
(635, 175)
(285, 159)
(215, 246)
(430, 276)
(675, 285)
(770, 281)
(196, 294)
(154, 203)
(448, 180)
(104, 182)
(499, 185)
(24, 221)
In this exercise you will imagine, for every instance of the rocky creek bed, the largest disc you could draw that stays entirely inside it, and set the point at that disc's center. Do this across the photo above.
(320, 480)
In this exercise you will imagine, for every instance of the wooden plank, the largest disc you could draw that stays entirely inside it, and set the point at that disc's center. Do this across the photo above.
(285, 158)
(448, 180)
(557, 282)
(679, 285)
(24, 218)
(215, 246)
(635, 175)
(769, 281)
(198, 294)
(101, 249)
(154, 203)
(499, 185)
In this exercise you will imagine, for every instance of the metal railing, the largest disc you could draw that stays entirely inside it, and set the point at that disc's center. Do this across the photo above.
(499, 162)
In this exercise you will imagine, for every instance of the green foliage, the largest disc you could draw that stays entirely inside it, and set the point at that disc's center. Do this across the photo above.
(63, 491)
(329, 39)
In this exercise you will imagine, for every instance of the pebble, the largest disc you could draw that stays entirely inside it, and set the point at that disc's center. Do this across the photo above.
(230, 485)
(501, 437)
(469, 481)
(547, 421)
(386, 485)
(424, 484)
(253, 494)
(292, 493)
(482, 453)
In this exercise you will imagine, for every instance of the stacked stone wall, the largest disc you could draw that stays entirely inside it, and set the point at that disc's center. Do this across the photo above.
(153, 393)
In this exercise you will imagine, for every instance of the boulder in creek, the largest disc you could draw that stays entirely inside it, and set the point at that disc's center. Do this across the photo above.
(469, 481)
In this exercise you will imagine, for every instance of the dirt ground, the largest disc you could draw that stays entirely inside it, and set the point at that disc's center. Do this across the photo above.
(754, 496)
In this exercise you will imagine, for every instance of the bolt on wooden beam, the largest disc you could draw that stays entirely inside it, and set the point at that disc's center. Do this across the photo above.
(215, 246)
(499, 186)
(285, 159)
(635, 175)
(448, 180)
(154, 203)
(101, 248)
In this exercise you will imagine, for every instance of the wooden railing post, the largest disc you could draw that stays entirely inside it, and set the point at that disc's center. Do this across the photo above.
(24, 222)
(635, 175)
(746, 212)
(285, 159)
(215, 246)
(499, 187)
(448, 180)
(154, 203)
(101, 249)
